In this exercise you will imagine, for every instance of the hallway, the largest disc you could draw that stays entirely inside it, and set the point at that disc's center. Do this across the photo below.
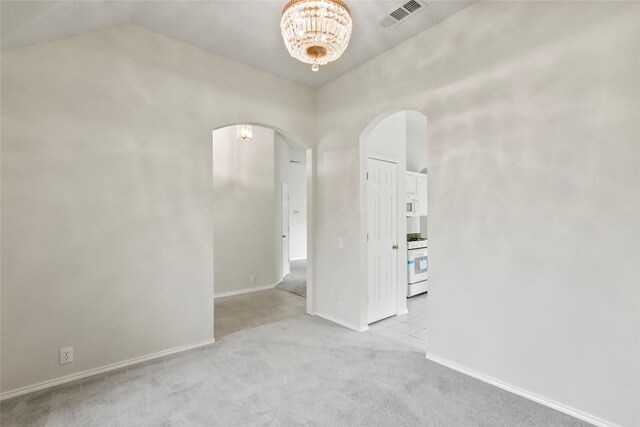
(244, 311)
(296, 281)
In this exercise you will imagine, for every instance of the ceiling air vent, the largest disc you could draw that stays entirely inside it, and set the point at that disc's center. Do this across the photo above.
(412, 6)
(399, 14)
(405, 11)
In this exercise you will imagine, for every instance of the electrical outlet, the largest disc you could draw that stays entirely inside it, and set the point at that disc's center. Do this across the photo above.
(341, 307)
(253, 278)
(66, 355)
(340, 243)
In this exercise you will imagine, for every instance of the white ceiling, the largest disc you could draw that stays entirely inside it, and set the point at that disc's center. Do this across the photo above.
(245, 31)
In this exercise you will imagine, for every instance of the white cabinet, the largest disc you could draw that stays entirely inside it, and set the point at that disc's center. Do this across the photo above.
(422, 196)
(416, 184)
(411, 184)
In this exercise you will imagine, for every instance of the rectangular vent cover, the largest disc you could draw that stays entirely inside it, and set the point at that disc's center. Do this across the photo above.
(399, 14)
(405, 11)
(412, 6)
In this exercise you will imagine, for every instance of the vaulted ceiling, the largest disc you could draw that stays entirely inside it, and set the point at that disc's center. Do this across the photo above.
(245, 31)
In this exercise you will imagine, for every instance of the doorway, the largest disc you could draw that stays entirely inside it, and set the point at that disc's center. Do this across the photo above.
(394, 227)
(255, 196)
(294, 225)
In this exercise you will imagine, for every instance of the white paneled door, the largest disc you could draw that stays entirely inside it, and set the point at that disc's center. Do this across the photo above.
(286, 266)
(382, 238)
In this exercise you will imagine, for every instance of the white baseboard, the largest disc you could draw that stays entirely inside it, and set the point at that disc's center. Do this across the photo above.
(91, 372)
(342, 322)
(523, 393)
(298, 259)
(244, 291)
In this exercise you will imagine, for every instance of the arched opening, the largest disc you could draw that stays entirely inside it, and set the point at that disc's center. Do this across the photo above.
(261, 214)
(393, 158)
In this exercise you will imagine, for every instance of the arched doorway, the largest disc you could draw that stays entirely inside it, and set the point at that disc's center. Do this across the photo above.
(262, 227)
(394, 225)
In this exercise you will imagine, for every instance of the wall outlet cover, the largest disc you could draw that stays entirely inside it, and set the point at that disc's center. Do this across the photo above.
(66, 355)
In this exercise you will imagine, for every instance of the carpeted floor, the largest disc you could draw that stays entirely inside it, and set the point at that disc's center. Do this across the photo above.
(296, 281)
(239, 312)
(298, 371)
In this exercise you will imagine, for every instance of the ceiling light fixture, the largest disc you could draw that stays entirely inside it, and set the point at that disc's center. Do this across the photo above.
(316, 31)
(244, 132)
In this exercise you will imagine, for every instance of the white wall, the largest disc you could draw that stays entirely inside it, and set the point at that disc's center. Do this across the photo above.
(389, 139)
(534, 194)
(244, 214)
(297, 154)
(297, 180)
(416, 141)
(107, 229)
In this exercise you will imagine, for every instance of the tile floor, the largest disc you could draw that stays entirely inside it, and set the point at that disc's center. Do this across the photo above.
(410, 328)
(239, 312)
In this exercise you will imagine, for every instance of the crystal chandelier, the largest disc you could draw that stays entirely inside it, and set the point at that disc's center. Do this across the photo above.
(244, 132)
(316, 31)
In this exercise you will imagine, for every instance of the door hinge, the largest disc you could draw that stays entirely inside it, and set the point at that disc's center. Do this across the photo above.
(367, 175)
(367, 237)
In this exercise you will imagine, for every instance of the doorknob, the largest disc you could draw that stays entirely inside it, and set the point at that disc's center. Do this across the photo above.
(394, 246)
(284, 237)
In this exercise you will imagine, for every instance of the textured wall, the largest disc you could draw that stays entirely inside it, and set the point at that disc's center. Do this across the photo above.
(244, 214)
(416, 141)
(107, 230)
(533, 194)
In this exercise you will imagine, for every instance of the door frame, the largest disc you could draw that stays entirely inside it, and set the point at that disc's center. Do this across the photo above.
(311, 176)
(286, 234)
(366, 132)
